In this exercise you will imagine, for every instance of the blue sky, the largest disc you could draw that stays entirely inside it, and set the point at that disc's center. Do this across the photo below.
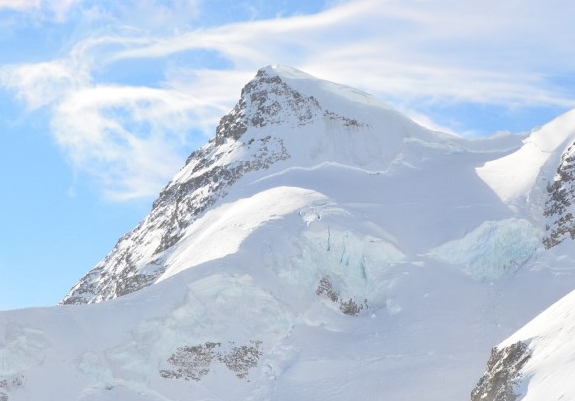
(102, 101)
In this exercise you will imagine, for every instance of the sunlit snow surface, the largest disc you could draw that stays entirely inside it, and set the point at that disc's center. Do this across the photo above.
(513, 177)
(383, 215)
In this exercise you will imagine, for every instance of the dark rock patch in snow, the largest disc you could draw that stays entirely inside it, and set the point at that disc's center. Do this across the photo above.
(349, 307)
(503, 375)
(194, 362)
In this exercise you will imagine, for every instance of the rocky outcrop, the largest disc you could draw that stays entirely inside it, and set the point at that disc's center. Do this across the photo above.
(349, 307)
(10, 384)
(503, 375)
(561, 196)
(194, 362)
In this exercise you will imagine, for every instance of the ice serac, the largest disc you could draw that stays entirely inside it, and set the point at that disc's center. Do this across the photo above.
(282, 114)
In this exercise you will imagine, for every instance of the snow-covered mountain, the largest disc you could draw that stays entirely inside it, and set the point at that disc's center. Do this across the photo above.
(320, 246)
(284, 120)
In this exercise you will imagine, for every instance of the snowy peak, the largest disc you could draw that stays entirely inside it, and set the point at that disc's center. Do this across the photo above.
(281, 95)
(272, 122)
(330, 95)
(286, 122)
(268, 100)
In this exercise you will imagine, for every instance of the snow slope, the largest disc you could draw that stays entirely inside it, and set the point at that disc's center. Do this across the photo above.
(536, 362)
(549, 339)
(512, 177)
(321, 246)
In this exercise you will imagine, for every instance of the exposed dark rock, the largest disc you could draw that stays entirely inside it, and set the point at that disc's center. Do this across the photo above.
(558, 207)
(240, 359)
(194, 362)
(10, 383)
(348, 122)
(191, 363)
(348, 307)
(503, 375)
(271, 101)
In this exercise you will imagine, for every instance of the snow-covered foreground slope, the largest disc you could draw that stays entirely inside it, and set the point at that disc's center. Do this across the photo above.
(547, 346)
(321, 246)
(537, 362)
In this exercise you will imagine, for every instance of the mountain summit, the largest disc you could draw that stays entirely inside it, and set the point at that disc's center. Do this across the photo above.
(320, 246)
(284, 117)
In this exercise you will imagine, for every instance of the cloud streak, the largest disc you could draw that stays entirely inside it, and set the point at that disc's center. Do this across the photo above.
(41, 9)
(408, 48)
(409, 52)
(20, 5)
(129, 139)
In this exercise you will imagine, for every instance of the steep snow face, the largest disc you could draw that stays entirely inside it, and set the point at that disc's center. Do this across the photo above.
(514, 176)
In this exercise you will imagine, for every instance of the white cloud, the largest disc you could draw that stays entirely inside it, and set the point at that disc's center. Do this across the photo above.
(129, 139)
(470, 51)
(20, 5)
(57, 9)
(60, 8)
(42, 83)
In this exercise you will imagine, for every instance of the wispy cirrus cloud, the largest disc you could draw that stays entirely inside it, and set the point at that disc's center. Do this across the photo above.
(41, 9)
(42, 84)
(416, 54)
(409, 48)
(20, 5)
(128, 138)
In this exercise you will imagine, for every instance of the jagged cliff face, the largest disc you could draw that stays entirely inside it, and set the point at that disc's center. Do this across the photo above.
(559, 207)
